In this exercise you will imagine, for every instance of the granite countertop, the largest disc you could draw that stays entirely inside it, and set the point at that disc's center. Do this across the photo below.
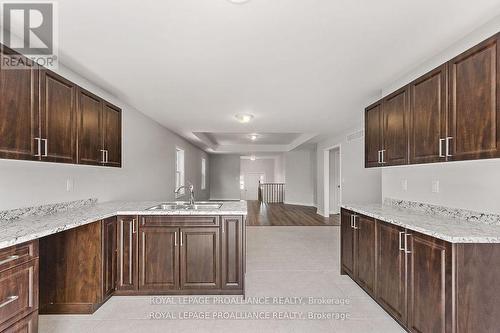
(453, 230)
(20, 230)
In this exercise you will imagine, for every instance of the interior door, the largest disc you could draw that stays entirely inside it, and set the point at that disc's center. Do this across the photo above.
(112, 127)
(20, 127)
(58, 118)
(334, 181)
(158, 258)
(395, 124)
(364, 252)
(373, 134)
(252, 185)
(347, 244)
(200, 259)
(90, 148)
(391, 270)
(474, 116)
(428, 109)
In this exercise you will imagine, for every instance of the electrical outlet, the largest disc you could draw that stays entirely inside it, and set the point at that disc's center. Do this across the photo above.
(435, 186)
(404, 185)
(70, 185)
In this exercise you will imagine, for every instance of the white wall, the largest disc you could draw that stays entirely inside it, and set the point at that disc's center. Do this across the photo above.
(300, 175)
(265, 165)
(147, 172)
(224, 177)
(358, 185)
(473, 185)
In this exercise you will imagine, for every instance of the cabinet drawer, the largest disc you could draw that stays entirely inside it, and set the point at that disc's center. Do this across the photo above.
(18, 292)
(18, 254)
(28, 324)
(192, 221)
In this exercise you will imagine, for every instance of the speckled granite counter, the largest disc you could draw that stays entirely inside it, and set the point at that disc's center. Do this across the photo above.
(16, 231)
(453, 230)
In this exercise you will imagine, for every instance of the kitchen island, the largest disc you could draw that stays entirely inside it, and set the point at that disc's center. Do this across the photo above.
(63, 260)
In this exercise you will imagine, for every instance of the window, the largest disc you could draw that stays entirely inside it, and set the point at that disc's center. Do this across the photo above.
(179, 170)
(203, 174)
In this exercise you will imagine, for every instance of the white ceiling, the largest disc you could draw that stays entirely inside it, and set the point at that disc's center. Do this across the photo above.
(306, 67)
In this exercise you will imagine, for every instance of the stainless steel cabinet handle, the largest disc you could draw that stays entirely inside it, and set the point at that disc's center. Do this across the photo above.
(39, 147)
(406, 243)
(8, 300)
(354, 222)
(46, 150)
(103, 158)
(175, 238)
(107, 156)
(9, 259)
(133, 226)
(382, 154)
(401, 248)
(223, 226)
(441, 148)
(181, 238)
(448, 139)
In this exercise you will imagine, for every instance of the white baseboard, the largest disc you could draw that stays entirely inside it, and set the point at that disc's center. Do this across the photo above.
(300, 203)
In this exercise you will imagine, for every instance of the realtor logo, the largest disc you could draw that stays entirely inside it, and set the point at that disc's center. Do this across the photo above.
(29, 28)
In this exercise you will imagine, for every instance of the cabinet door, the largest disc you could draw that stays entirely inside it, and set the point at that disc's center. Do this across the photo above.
(90, 149)
(200, 258)
(158, 258)
(428, 108)
(19, 128)
(373, 135)
(28, 324)
(112, 131)
(365, 252)
(347, 247)
(395, 128)
(427, 283)
(127, 253)
(391, 270)
(474, 116)
(109, 256)
(58, 118)
(232, 252)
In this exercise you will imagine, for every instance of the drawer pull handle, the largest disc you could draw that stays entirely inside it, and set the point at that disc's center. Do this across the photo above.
(9, 259)
(8, 300)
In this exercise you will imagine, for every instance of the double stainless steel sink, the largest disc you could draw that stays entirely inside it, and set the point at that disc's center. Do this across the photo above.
(184, 205)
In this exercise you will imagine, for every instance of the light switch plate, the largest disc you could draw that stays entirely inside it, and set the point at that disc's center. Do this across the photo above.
(435, 186)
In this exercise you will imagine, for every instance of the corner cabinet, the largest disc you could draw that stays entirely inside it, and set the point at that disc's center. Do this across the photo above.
(451, 113)
(426, 284)
(46, 117)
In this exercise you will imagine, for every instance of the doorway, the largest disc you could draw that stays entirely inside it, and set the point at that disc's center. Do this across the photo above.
(251, 185)
(332, 180)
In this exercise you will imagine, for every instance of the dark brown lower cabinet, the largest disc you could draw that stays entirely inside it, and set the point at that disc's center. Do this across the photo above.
(347, 244)
(232, 252)
(127, 264)
(77, 268)
(158, 259)
(428, 285)
(391, 270)
(200, 259)
(28, 324)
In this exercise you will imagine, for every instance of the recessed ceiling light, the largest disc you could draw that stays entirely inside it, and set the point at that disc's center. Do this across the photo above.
(238, 2)
(253, 137)
(244, 117)
(252, 158)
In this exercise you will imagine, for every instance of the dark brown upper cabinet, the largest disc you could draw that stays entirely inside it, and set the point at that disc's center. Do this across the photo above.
(395, 128)
(90, 147)
(45, 117)
(57, 118)
(428, 111)
(474, 114)
(451, 113)
(19, 117)
(373, 135)
(112, 135)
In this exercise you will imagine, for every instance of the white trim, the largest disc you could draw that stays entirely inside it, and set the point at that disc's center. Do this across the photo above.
(326, 178)
(310, 204)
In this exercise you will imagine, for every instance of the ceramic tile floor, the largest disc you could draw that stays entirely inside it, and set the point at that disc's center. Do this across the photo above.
(281, 262)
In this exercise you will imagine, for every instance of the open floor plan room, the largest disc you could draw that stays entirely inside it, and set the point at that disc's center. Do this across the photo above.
(250, 166)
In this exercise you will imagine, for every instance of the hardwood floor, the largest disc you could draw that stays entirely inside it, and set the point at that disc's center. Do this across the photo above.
(276, 214)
